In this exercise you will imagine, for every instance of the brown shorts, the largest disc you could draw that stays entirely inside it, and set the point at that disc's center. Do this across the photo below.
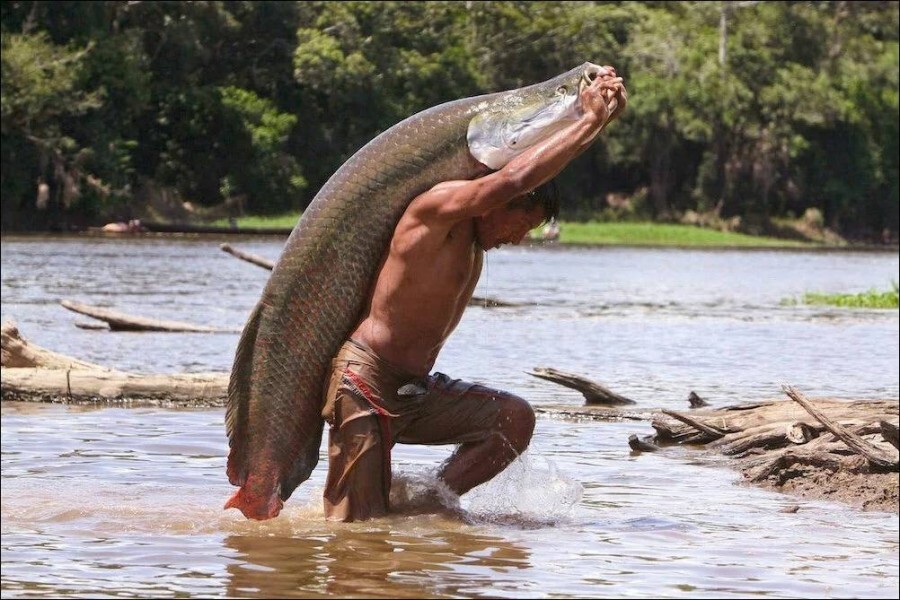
(371, 404)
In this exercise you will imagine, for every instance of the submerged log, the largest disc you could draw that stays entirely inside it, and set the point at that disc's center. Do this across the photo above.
(820, 448)
(121, 322)
(593, 392)
(32, 373)
(641, 444)
(488, 302)
(696, 401)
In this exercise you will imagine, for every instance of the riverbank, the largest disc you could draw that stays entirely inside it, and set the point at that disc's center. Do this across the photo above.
(572, 234)
(603, 233)
(595, 233)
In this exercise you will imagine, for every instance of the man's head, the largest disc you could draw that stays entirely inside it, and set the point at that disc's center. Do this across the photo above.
(510, 223)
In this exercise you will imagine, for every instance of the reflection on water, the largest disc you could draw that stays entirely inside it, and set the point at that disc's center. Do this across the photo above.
(128, 502)
(350, 562)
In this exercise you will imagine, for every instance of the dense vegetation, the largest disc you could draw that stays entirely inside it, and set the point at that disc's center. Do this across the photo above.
(756, 110)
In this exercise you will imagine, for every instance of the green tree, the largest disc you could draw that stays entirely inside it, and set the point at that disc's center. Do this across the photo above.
(39, 89)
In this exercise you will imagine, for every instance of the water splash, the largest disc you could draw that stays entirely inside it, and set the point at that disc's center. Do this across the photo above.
(525, 494)
(422, 493)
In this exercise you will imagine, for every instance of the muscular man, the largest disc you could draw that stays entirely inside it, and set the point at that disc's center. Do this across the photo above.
(381, 390)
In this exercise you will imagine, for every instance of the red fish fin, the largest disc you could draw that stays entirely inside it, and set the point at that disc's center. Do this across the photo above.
(256, 506)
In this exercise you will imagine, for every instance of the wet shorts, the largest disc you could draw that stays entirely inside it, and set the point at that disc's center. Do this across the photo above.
(371, 404)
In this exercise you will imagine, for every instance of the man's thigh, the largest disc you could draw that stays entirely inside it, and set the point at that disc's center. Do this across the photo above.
(455, 412)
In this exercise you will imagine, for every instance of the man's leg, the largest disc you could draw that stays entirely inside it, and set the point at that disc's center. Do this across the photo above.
(473, 463)
(491, 426)
(359, 477)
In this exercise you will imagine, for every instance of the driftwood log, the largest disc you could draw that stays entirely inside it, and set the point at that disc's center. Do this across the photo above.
(122, 322)
(15, 352)
(259, 261)
(593, 392)
(35, 374)
(821, 448)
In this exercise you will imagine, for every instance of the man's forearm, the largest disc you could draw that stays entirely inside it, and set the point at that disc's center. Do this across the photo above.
(547, 159)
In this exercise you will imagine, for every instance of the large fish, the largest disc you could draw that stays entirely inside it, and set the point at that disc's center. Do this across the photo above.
(319, 286)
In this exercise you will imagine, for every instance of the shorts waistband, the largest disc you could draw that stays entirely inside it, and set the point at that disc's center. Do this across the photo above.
(364, 351)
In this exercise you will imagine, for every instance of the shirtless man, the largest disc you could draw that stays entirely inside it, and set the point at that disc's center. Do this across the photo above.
(380, 391)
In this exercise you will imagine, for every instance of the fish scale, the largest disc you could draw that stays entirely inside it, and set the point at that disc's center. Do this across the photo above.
(315, 294)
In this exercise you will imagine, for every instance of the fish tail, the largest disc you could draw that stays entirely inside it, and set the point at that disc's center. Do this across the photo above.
(255, 505)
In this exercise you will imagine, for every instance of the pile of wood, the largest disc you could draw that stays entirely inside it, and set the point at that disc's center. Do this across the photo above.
(819, 449)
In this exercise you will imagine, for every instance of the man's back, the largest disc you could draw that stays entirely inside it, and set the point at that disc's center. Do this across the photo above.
(422, 288)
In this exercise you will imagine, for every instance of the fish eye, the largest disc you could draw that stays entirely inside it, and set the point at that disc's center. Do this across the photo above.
(562, 90)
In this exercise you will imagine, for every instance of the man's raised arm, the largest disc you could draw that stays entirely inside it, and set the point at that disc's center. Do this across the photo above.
(454, 201)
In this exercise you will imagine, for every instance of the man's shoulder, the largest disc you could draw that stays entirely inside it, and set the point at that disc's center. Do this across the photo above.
(446, 187)
(423, 206)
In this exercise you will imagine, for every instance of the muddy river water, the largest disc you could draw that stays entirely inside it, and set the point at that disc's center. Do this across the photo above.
(127, 502)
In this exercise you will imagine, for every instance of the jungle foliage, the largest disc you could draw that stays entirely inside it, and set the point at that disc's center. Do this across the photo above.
(744, 109)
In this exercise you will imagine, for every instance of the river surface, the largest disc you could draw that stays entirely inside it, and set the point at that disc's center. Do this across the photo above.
(127, 502)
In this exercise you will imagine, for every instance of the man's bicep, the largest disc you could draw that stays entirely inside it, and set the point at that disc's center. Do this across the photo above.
(458, 200)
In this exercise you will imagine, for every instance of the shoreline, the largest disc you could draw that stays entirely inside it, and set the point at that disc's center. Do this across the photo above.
(268, 233)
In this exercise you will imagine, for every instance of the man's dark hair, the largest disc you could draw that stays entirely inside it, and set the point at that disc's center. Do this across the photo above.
(545, 196)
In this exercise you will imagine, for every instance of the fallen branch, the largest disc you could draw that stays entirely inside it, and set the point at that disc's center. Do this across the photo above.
(712, 433)
(259, 261)
(872, 453)
(593, 392)
(785, 461)
(121, 322)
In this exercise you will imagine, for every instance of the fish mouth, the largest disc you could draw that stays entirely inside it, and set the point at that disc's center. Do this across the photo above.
(592, 72)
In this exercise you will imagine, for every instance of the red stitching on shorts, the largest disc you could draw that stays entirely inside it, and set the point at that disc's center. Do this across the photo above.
(384, 422)
(367, 393)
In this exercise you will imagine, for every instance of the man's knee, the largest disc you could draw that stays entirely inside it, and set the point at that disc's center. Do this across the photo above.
(516, 422)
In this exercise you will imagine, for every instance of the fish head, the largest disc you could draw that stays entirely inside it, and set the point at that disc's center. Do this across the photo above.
(511, 122)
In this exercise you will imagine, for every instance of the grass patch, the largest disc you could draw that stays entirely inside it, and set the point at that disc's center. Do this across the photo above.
(663, 234)
(609, 234)
(286, 221)
(870, 299)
